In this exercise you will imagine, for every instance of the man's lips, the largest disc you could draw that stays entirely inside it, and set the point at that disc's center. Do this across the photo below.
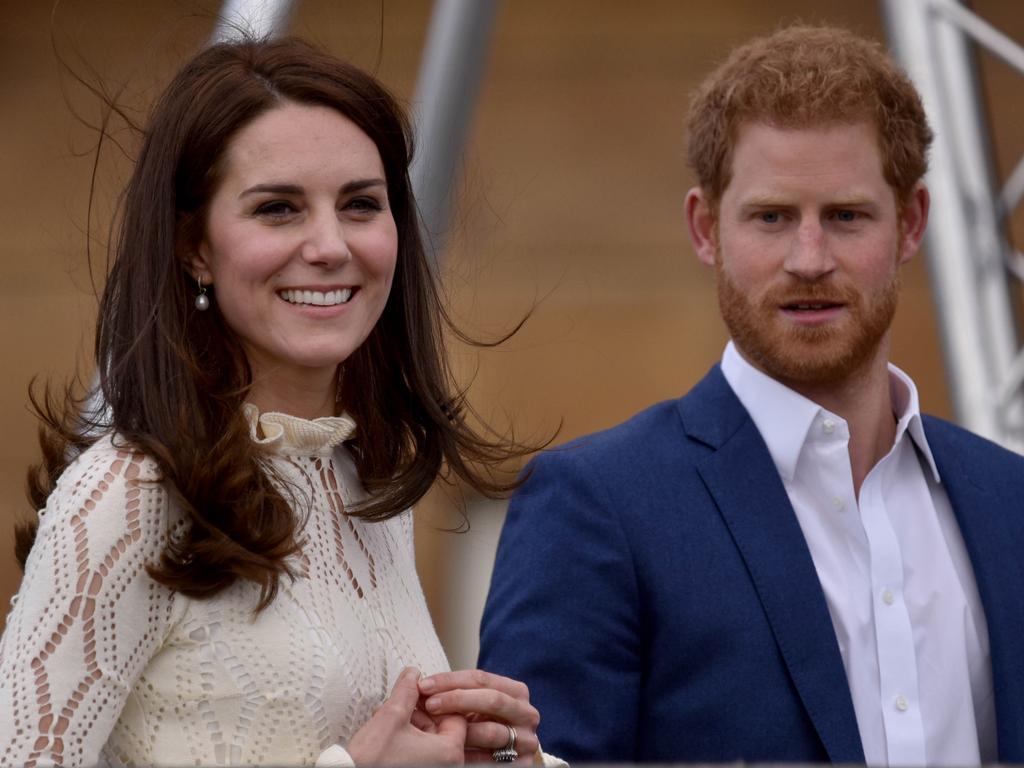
(812, 312)
(815, 305)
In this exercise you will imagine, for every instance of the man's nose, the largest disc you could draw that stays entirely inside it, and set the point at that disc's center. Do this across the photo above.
(809, 257)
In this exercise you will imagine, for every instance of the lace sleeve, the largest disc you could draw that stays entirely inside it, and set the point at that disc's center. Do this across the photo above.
(87, 617)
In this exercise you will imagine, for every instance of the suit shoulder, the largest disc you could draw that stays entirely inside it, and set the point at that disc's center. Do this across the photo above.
(655, 429)
(953, 437)
(961, 451)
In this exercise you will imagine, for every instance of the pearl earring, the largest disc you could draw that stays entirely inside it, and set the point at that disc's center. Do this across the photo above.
(202, 300)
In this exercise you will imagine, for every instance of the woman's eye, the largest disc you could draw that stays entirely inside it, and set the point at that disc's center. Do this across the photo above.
(275, 209)
(363, 205)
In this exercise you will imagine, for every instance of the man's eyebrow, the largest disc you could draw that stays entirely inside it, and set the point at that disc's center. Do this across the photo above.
(279, 188)
(765, 201)
(771, 201)
(852, 202)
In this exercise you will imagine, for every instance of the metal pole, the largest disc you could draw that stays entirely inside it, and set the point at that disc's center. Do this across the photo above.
(450, 73)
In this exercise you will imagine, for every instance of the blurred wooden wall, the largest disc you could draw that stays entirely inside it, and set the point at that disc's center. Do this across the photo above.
(570, 205)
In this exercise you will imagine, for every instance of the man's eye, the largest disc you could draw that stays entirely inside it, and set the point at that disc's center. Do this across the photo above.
(275, 209)
(847, 217)
(770, 217)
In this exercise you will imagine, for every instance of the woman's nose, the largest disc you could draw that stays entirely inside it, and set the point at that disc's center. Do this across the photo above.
(326, 244)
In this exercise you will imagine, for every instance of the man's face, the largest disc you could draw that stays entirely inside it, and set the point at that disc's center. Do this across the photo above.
(807, 245)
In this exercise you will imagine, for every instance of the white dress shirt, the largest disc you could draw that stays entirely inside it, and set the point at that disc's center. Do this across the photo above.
(892, 564)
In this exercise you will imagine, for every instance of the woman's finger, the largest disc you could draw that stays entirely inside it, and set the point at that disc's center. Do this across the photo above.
(404, 696)
(473, 679)
(423, 721)
(495, 705)
(491, 736)
(453, 727)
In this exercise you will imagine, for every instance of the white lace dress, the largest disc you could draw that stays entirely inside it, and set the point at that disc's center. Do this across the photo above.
(99, 663)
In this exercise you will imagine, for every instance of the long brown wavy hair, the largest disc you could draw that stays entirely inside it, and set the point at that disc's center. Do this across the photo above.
(172, 380)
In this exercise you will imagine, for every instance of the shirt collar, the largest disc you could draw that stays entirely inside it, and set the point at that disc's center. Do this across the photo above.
(905, 403)
(784, 417)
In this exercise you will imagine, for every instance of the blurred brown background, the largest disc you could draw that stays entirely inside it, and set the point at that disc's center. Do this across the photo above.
(570, 204)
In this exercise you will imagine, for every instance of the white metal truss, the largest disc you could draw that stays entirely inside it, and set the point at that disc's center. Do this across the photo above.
(974, 266)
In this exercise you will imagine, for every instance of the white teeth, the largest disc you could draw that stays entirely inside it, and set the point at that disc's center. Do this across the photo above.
(317, 298)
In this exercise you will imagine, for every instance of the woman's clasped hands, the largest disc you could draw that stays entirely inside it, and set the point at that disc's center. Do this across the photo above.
(492, 705)
(449, 718)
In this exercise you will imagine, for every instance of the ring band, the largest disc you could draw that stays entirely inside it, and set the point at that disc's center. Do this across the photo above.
(507, 754)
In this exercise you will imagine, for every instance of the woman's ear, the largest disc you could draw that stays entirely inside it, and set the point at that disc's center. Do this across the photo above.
(198, 260)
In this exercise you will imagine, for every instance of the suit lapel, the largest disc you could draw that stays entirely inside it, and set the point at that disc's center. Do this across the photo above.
(984, 509)
(742, 480)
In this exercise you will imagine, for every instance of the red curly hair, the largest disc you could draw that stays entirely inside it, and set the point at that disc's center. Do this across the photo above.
(805, 76)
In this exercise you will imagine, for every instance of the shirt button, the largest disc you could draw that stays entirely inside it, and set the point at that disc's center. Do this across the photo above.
(901, 703)
(888, 597)
(837, 502)
(828, 426)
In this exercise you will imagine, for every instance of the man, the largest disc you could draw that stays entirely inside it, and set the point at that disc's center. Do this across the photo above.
(789, 563)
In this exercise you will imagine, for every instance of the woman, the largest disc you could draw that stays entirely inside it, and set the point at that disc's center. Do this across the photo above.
(224, 572)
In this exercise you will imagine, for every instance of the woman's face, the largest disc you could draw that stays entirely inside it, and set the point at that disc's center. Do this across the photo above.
(300, 247)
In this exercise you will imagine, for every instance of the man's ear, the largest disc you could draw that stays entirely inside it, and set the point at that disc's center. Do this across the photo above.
(700, 219)
(914, 219)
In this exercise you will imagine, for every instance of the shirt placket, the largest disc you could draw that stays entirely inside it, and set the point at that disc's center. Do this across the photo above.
(897, 660)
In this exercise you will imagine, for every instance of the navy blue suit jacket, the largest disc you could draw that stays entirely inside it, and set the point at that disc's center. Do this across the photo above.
(654, 590)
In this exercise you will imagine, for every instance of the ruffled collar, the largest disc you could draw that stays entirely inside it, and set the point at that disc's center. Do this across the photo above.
(284, 434)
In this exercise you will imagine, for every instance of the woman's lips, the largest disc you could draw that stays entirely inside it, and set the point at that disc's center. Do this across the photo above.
(317, 298)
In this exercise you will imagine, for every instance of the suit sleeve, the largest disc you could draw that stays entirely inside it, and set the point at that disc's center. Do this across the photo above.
(563, 612)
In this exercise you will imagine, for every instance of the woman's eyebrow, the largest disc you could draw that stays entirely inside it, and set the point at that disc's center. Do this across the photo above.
(277, 188)
(360, 184)
(273, 188)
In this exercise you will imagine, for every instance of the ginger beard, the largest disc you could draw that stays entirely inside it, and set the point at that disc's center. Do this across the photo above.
(810, 354)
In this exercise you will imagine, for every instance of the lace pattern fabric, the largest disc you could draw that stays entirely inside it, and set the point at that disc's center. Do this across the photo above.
(101, 663)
